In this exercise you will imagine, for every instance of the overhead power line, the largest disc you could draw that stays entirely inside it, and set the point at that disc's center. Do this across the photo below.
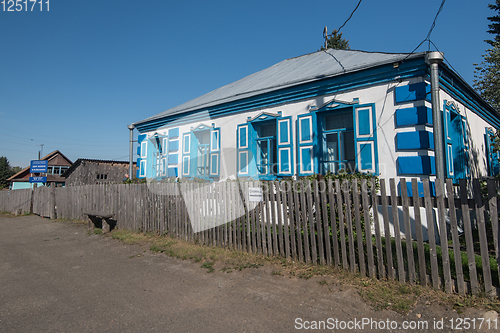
(350, 16)
(428, 37)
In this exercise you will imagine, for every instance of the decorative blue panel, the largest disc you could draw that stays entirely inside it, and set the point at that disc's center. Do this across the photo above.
(284, 160)
(306, 159)
(416, 165)
(420, 186)
(243, 159)
(173, 159)
(243, 130)
(172, 172)
(366, 155)
(305, 129)
(420, 115)
(173, 145)
(139, 150)
(214, 164)
(186, 147)
(412, 92)
(283, 131)
(173, 132)
(364, 122)
(415, 140)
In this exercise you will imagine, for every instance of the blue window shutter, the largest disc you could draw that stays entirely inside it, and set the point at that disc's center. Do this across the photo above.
(173, 159)
(172, 172)
(141, 155)
(284, 146)
(187, 163)
(173, 145)
(493, 157)
(173, 133)
(455, 142)
(306, 144)
(366, 139)
(214, 167)
(448, 143)
(245, 151)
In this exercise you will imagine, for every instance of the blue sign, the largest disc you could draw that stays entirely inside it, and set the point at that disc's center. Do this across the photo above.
(38, 179)
(39, 166)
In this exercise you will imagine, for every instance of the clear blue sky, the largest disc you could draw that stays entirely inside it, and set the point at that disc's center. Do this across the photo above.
(74, 77)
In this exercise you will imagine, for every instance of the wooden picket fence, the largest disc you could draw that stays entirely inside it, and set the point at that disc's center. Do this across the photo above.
(349, 225)
(15, 202)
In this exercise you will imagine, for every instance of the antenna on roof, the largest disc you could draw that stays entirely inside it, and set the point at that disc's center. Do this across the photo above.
(325, 36)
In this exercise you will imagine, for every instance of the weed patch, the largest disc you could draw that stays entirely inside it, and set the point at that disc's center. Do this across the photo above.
(209, 265)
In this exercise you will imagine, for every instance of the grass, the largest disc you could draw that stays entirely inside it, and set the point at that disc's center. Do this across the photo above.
(381, 294)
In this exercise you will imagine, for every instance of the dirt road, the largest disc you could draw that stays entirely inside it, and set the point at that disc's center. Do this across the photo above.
(54, 277)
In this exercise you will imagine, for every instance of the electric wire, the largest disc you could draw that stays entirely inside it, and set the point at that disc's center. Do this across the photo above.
(350, 16)
(427, 38)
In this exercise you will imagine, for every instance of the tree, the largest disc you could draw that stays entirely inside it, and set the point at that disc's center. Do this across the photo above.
(5, 172)
(487, 74)
(15, 169)
(495, 23)
(335, 41)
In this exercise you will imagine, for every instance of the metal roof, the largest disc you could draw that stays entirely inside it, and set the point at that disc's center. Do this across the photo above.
(290, 72)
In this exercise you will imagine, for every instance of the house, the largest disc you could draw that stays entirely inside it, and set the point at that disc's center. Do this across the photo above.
(89, 171)
(324, 112)
(57, 165)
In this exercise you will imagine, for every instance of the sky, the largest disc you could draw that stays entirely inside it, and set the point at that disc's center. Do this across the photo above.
(74, 76)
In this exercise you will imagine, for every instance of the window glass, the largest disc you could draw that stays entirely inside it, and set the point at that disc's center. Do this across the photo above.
(266, 148)
(338, 121)
(202, 162)
(267, 130)
(349, 153)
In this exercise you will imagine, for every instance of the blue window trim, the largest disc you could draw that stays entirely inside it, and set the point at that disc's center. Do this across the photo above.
(340, 132)
(247, 161)
(190, 152)
(368, 138)
(493, 157)
(451, 143)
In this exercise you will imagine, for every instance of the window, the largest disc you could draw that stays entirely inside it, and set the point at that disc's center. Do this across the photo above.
(266, 148)
(201, 152)
(457, 145)
(202, 161)
(338, 136)
(338, 142)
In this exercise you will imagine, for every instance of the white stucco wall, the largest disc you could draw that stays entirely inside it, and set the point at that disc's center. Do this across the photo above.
(382, 95)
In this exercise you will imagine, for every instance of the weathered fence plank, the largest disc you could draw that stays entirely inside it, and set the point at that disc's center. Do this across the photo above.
(430, 230)
(409, 243)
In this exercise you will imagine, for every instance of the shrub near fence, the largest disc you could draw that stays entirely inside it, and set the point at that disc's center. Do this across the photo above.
(320, 222)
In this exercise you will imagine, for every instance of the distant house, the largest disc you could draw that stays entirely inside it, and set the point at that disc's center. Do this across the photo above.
(324, 112)
(88, 171)
(57, 165)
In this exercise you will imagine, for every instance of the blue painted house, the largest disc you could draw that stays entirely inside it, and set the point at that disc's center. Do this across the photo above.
(323, 112)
